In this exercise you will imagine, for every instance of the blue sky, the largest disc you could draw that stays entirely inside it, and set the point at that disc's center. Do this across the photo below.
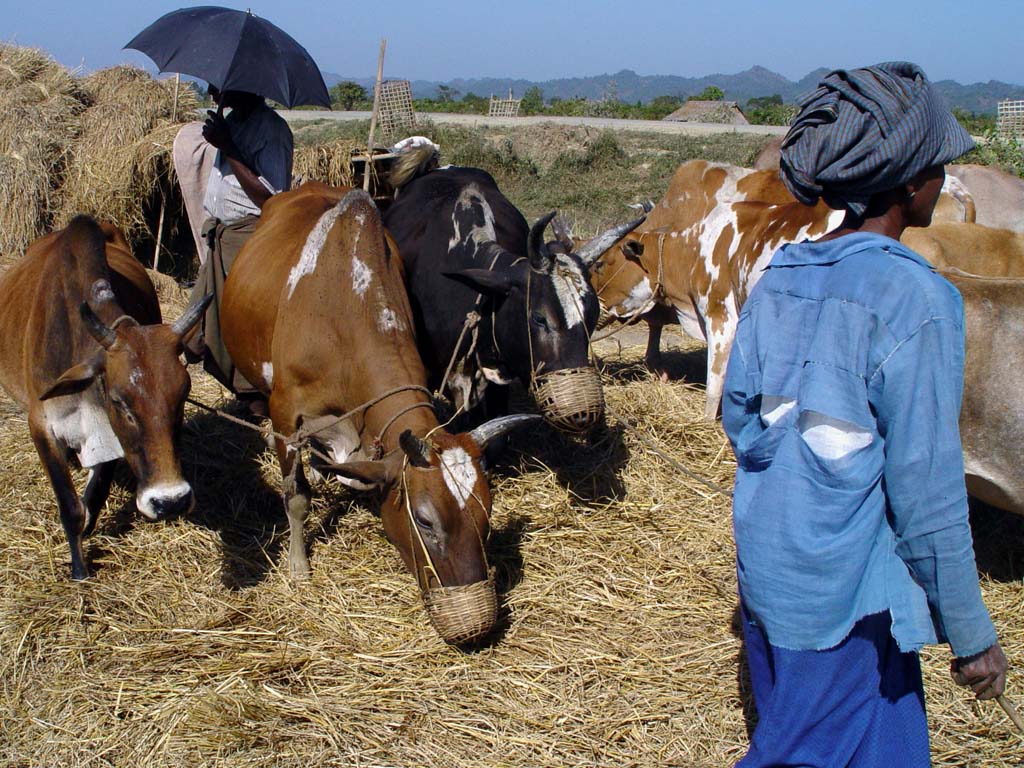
(537, 40)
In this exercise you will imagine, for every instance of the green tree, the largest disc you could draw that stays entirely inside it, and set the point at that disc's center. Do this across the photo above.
(475, 104)
(533, 101)
(711, 93)
(765, 102)
(346, 94)
(446, 94)
(661, 106)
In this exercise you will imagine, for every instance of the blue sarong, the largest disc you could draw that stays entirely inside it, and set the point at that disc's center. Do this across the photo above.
(858, 705)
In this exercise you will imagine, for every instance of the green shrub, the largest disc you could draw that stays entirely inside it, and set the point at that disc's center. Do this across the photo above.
(1005, 152)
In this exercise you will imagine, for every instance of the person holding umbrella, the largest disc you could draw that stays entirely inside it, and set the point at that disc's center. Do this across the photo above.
(842, 397)
(245, 157)
(235, 162)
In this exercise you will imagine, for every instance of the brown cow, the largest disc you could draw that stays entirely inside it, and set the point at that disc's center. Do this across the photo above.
(702, 250)
(83, 350)
(315, 314)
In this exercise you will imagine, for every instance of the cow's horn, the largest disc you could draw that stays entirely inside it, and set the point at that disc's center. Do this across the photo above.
(97, 329)
(495, 428)
(415, 448)
(591, 251)
(540, 257)
(191, 316)
(562, 231)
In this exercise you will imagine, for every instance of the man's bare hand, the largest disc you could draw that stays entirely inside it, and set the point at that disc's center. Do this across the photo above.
(217, 133)
(984, 673)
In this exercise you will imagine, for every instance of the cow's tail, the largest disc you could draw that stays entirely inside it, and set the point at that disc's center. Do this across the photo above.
(413, 163)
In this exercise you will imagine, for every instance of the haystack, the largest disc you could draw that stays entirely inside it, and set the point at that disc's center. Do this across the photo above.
(329, 162)
(120, 166)
(40, 103)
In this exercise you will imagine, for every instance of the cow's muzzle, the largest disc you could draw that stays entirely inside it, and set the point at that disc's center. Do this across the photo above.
(462, 614)
(161, 501)
(570, 398)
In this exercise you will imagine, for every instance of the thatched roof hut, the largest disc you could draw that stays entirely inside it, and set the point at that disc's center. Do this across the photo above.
(694, 111)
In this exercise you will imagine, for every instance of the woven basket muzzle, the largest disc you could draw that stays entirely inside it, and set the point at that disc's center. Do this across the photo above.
(462, 614)
(571, 398)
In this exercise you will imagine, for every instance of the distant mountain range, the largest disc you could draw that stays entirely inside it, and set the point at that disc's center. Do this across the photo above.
(628, 86)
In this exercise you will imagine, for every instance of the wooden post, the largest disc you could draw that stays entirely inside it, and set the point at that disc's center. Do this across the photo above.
(373, 117)
(163, 199)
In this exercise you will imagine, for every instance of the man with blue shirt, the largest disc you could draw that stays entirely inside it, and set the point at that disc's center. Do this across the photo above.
(842, 400)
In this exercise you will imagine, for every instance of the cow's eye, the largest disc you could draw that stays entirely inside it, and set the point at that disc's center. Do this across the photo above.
(423, 519)
(540, 320)
(122, 408)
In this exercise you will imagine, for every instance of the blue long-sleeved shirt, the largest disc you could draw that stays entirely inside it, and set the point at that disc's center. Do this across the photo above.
(842, 398)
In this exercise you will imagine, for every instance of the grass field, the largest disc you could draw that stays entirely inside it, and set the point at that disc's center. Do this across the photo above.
(586, 174)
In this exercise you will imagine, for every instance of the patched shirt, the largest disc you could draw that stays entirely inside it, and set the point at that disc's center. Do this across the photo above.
(842, 400)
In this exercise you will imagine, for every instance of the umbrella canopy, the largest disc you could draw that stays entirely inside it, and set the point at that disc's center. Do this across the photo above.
(234, 51)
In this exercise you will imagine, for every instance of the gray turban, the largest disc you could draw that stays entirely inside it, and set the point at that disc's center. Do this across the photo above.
(865, 131)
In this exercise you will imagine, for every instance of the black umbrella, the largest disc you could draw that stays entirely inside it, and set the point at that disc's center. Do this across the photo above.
(234, 51)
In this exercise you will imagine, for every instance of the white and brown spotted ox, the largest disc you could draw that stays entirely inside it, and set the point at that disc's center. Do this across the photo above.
(83, 350)
(315, 314)
(702, 250)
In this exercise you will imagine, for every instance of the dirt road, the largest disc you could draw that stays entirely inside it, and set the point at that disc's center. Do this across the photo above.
(648, 126)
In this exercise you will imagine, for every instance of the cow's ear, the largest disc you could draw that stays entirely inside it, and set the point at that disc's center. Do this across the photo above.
(76, 378)
(633, 250)
(485, 281)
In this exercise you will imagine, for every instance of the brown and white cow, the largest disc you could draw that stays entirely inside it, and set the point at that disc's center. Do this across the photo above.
(83, 350)
(315, 314)
(702, 250)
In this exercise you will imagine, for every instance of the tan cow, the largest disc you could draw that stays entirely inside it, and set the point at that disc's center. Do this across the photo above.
(702, 250)
(315, 314)
(992, 415)
(83, 350)
(970, 248)
(999, 196)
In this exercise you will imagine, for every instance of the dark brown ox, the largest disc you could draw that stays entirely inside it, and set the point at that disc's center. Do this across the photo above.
(702, 250)
(83, 350)
(315, 314)
(992, 415)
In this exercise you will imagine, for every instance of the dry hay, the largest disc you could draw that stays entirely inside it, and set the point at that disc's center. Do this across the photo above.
(616, 645)
(40, 102)
(329, 162)
(99, 145)
(121, 163)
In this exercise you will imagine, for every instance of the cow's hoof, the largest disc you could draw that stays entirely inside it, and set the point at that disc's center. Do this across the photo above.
(299, 572)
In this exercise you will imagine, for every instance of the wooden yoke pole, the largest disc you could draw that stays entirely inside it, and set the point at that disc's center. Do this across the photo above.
(163, 200)
(373, 117)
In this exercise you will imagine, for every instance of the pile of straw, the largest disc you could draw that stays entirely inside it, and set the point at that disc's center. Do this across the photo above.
(40, 104)
(328, 162)
(101, 145)
(617, 641)
(121, 161)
